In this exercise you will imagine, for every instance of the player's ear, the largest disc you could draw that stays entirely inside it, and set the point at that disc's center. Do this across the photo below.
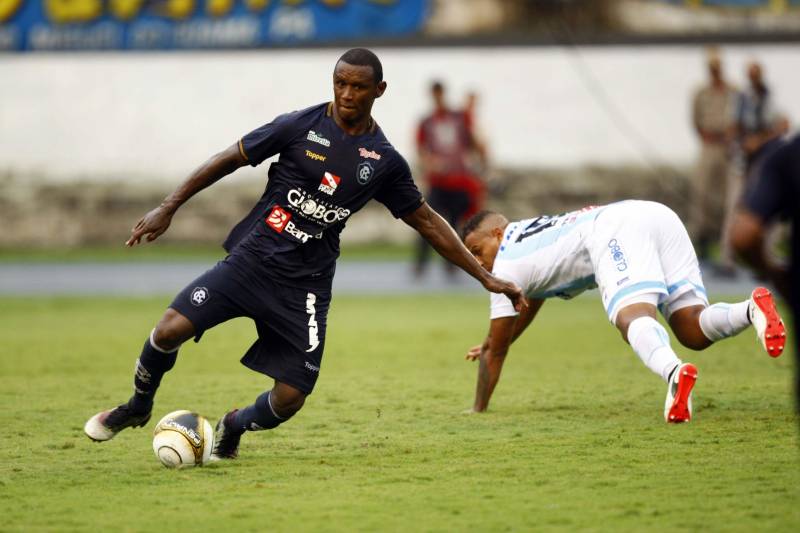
(380, 89)
(497, 233)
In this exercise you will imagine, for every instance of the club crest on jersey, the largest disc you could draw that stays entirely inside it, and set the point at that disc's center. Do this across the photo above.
(317, 138)
(369, 154)
(329, 183)
(364, 173)
(278, 218)
(199, 296)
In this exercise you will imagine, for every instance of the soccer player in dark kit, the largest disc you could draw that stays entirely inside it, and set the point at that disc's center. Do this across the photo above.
(333, 159)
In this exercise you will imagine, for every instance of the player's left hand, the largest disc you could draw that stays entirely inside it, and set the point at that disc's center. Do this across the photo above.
(474, 353)
(508, 288)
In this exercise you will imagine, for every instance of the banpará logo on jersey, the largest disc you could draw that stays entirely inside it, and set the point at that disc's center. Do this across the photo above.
(278, 218)
(364, 172)
(301, 235)
(281, 221)
(315, 156)
(314, 208)
(199, 296)
(317, 138)
(369, 154)
(329, 183)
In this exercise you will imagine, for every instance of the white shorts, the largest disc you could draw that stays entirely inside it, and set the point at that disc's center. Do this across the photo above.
(641, 253)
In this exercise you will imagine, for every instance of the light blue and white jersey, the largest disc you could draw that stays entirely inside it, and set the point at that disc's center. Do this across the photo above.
(546, 256)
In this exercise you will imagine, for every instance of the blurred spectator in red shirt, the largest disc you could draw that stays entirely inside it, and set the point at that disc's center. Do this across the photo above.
(448, 157)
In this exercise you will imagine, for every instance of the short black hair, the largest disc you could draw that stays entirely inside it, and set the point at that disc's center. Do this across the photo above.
(474, 222)
(437, 86)
(364, 58)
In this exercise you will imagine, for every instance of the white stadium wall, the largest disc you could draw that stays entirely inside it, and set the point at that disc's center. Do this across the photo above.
(156, 116)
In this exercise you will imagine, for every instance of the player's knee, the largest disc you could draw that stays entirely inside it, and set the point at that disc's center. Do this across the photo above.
(685, 323)
(693, 340)
(286, 401)
(172, 330)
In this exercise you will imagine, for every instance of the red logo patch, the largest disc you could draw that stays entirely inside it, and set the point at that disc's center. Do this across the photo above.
(329, 183)
(278, 218)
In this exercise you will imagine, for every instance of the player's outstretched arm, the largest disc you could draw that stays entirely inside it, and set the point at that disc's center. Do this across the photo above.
(524, 320)
(444, 240)
(156, 222)
(492, 359)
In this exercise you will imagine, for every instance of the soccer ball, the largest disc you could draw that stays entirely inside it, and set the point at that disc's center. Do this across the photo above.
(183, 438)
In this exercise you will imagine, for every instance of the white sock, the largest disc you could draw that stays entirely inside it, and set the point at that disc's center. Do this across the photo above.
(650, 341)
(720, 321)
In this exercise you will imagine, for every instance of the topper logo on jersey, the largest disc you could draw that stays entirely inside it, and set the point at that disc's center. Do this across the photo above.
(278, 218)
(314, 208)
(617, 255)
(369, 154)
(317, 138)
(313, 328)
(329, 183)
(315, 156)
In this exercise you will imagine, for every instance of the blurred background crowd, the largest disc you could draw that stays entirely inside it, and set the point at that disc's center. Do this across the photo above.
(528, 106)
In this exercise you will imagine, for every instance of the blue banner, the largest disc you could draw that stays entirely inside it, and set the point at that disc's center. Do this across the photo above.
(199, 24)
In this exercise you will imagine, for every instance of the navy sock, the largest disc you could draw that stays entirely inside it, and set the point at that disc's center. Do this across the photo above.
(258, 416)
(151, 366)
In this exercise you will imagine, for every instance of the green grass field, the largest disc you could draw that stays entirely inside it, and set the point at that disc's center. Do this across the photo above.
(163, 251)
(574, 439)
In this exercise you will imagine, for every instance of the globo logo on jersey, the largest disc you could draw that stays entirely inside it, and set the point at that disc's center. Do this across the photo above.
(314, 208)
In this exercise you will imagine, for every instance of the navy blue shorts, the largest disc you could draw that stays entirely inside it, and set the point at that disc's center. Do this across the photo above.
(290, 319)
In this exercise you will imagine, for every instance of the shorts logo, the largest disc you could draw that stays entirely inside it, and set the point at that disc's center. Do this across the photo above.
(278, 218)
(199, 296)
(364, 173)
(311, 367)
(369, 154)
(617, 255)
(315, 156)
(317, 138)
(329, 183)
(313, 329)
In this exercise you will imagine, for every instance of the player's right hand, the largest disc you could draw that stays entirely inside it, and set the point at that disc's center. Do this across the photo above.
(151, 226)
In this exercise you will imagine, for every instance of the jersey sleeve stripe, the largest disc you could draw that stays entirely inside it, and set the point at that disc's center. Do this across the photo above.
(241, 151)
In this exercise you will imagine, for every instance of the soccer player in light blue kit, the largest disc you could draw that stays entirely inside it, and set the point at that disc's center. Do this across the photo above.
(640, 257)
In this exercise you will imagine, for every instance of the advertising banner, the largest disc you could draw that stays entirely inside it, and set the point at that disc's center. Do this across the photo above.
(27, 25)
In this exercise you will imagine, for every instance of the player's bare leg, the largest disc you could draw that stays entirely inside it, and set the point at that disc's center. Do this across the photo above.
(158, 356)
(270, 410)
(639, 327)
(698, 326)
(685, 324)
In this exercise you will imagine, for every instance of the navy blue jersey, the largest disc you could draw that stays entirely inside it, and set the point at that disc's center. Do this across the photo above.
(776, 195)
(322, 177)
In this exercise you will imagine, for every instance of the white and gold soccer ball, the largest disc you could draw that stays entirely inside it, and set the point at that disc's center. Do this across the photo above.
(182, 439)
